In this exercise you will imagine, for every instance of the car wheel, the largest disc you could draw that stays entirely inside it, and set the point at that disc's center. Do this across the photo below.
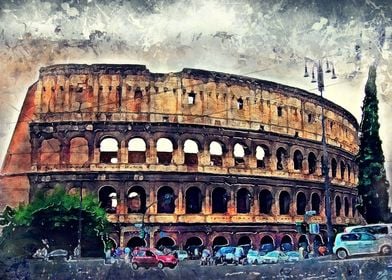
(385, 250)
(172, 266)
(341, 254)
(160, 265)
(135, 266)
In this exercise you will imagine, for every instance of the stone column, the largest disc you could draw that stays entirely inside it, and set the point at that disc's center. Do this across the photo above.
(179, 209)
(207, 201)
(123, 152)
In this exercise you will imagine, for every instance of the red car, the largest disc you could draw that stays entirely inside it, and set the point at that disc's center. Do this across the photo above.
(147, 257)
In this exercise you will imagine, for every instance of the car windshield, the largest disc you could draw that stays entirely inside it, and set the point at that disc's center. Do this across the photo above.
(272, 254)
(226, 250)
(292, 254)
(158, 253)
(252, 253)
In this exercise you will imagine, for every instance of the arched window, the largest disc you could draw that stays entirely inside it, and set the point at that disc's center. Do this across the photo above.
(239, 154)
(219, 200)
(164, 151)
(108, 199)
(301, 203)
(166, 200)
(216, 153)
(312, 163)
(190, 152)
(191, 98)
(281, 159)
(284, 203)
(138, 93)
(78, 151)
(348, 172)
(334, 167)
(240, 104)
(342, 170)
(50, 152)
(137, 150)
(316, 203)
(108, 151)
(346, 207)
(298, 160)
(193, 200)
(260, 157)
(265, 201)
(338, 206)
(244, 199)
(136, 200)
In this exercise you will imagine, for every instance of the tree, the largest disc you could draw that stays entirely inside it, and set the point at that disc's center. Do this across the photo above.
(373, 184)
(54, 217)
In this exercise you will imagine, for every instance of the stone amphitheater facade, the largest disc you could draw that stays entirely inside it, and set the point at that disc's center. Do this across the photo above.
(203, 157)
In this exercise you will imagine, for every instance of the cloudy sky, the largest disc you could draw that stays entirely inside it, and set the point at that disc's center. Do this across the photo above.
(263, 39)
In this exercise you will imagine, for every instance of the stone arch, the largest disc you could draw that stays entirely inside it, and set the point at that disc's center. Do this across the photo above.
(219, 200)
(353, 205)
(216, 153)
(137, 150)
(244, 199)
(108, 148)
(50, 152)
(348, 172)
(136, 241)
(239, 153)
(315, 202)
(265, 201)
(193, 200)
(78, 151)
(346, 207)
(219, 240)
(281, 158)
(334, 166)
(164, 151)
(303, 241)
(301, 203)
(286, 243)
(191, 150)
(136, 200)
(165, 200)
(165, 242)
(244, 240)
(342, 169)
(262, 156)
(108, 198)
(312, 162)
(297, 159)
(267, 239)
(338, 206)
(193, 241)
(284, 203)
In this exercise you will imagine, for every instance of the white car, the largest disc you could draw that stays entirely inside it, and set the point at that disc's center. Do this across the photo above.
(253, 257)
(181, 255)
(274, 257)
(293, 256)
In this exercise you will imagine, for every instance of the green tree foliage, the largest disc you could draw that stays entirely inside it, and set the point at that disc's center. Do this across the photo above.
(373, 185)
(54, 217)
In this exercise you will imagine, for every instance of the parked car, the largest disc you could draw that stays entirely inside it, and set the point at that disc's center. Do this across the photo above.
(58, 254)
(224, 255)
(274, 257)
(181, 255)
(286, 247)
(293, 256)
(360, 243)
(266, 248)
(147, 257)
(378, 230)
(253, 257)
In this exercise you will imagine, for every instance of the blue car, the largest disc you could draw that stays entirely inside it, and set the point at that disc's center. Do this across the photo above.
(224, 254)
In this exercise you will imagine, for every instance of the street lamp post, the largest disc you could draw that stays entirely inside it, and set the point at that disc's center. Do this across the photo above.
(325, 166)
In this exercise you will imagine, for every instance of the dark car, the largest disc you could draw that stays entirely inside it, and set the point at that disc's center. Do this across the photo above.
(266, 248)
(147, 257)
(285, 247)
(224, 255)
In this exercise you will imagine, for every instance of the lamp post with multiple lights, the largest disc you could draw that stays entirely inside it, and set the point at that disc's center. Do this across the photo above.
(325, 166)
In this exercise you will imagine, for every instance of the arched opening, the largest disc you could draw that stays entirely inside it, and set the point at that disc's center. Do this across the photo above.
(165, 242)
(284, 203)
(261, 157)
(219, 200)
(316, 203)
(342, 170)
(312, 162)
(244, 199)
(216, 153)
(244, 240)
(286, 244)
(50, 152)
(240, 104)
(219, 241)
(348, 172)
(136, 200)
(334, 167)
(166, 200)
(281, 159)
(191, 98)
(265, 201)
(193, 241)
(303, 241)
(190, 152)
(137, 150)
(267, 243)
(193, 200)
(108, 151)
(239, 154)
(301, 203)
(353, 205)
(108, 199)
(346, 207)
(298, 158)
(138, 93)
(136, 242)
(318, 239)
(164, 151)
(338, 206)
(78, 151)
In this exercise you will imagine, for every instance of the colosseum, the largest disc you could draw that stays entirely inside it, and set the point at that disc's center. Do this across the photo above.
(189, 158)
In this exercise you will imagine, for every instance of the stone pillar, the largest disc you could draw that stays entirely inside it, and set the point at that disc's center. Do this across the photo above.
(204, 158)
(256, 205)
(151, 153)
(180, 203)
(150, 200)
(178, 155)
(231, 207)
(207, 201)
(64, 152)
